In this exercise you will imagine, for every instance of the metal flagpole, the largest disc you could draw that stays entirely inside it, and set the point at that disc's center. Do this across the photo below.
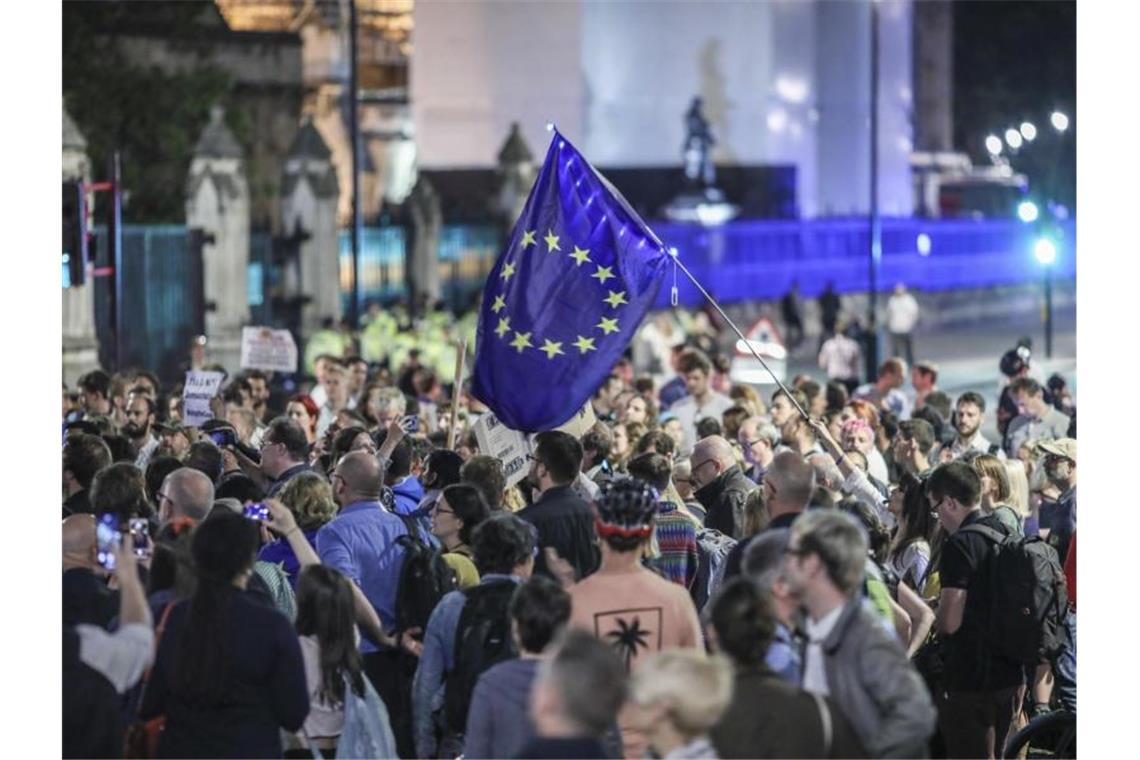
(705, 293)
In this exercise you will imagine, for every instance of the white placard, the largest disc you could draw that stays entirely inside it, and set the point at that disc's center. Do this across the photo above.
(508, 446)
(200, 389)
(580, 422)
(267, 349)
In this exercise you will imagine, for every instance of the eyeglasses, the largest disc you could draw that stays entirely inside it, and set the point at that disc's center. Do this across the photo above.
(750, 444)
(440, 511)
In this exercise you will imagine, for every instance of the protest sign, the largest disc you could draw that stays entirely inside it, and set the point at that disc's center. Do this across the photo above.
(508, 446)
(580, 422)
(266, 349)
(200, 388)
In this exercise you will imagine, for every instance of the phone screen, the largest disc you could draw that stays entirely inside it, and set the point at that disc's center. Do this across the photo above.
(140, 536)
(257, 511)
(412, 423)
(107, 537)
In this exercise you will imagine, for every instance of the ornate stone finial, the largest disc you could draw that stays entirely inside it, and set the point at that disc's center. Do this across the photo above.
(73, 139)
(217, 141)
(515, 150)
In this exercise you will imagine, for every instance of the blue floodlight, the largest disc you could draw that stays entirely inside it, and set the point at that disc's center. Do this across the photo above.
(1045, 250)
(1027, 211)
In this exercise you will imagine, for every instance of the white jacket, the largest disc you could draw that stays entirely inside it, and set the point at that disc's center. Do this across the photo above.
(902, 313)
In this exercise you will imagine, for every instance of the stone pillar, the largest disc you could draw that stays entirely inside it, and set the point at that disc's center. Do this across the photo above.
(80, 343)
(427, 219)
(217, 201)
(309, 196)
(934, 75)
(516, 174)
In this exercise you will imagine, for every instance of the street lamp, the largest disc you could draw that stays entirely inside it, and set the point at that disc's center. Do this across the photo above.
(1027, 211)
(1045, 251)
(1060, 121)
(993, 145)
(1028, 131)
(1013, 138)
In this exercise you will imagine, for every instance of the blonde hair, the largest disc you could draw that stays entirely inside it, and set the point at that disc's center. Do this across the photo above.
(310, 498)
(696, 689)
(1018, 486)
(987, 465)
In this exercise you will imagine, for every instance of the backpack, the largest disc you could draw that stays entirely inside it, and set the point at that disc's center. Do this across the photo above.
(1028, 597)
(424, 579)
(482, 639)
(713, 548)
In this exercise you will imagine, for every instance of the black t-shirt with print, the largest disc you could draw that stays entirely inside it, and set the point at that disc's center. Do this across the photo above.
(970, 665)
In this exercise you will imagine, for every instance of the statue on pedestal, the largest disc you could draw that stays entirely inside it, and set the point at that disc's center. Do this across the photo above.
(700, 201)
(699, 169)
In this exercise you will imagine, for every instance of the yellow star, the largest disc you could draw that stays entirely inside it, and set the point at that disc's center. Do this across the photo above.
(584, 344)
(603, 274)
(508, 271)
(607, 326)
(528, 238)
(552, 349)
(521, 341)
(551, 241)
(581, 256)
(615, 299)
(504, 326)
(499, 304)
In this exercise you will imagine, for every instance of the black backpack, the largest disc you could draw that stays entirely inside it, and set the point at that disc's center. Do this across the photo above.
(1028, 597)
(482, 639)
(424, 579)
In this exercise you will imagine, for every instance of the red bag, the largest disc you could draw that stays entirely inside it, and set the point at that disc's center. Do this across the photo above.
(142, 737)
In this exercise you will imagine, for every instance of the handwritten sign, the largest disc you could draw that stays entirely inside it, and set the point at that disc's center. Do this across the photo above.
(508, 446)
(267, 349)
(200, 388)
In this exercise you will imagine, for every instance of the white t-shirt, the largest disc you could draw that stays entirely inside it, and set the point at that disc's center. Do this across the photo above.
(815, 675)
(689, 413)
(324, 720)
(902, 313)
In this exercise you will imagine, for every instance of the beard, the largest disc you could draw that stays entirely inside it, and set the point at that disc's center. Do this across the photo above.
(135, 432)
(967, 433)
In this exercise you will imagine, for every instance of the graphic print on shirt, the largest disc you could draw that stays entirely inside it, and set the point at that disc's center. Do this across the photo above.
(629, 631)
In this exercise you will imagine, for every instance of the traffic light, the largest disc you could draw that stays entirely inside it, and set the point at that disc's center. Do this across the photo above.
(74, 234)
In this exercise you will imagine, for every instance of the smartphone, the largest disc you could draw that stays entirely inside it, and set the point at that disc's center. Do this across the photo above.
(257, 511)
(140, 536)
(107, 537)
(222, 437)
(412, 423)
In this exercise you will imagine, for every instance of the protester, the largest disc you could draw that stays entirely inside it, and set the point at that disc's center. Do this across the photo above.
(1036, 418)
(788, 488)
(679, 696)
(758, 440)
(456, 645)
(983, 690)
(304, 411)
(912, 447)
(997, 492)
(564, 521)
(720, 485)
(840, 357)
(902, 316)
(575, 699)
(884, 392)
(229, 674)
(309, 498)
(498, 724)
(701, 402)
(86, 597)
(83, 457)
(486, 474)
(459, 510)
(674, 531)
(850, 657)
(768, 717)
(1059, 462)
(763, 566)
(284, 453)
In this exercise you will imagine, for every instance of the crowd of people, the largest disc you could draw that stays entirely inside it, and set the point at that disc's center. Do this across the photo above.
(831, 568)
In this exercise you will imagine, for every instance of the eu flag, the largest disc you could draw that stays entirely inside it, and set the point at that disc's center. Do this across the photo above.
(565, 297)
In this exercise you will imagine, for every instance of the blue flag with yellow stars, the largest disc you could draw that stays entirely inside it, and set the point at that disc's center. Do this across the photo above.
(565, 297)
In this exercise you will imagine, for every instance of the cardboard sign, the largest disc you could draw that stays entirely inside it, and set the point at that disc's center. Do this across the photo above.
(200, 388)
(266, 349)
(580, 422)
(508, 446)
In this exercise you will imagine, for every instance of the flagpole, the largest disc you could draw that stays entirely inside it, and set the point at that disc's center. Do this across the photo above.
(456, 391)
(705, 293)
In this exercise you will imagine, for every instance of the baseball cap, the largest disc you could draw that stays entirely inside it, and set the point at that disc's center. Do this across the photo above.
(1062, 447)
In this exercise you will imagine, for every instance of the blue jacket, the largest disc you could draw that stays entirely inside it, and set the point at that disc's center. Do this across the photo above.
(360, 542)
(498, 724)
(436, 661)
(408, 493)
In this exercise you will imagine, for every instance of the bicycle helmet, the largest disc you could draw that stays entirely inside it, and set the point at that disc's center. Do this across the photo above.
(625, 509)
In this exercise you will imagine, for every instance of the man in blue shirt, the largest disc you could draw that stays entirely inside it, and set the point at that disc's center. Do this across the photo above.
(504, 554)
(360, 542)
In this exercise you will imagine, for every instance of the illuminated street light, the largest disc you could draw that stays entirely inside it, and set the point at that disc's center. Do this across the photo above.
(1028, 131)
(1013, 138)
(993, 145)
(922, 243)
(1045, 251)
(1060, 121)
(1027, 211)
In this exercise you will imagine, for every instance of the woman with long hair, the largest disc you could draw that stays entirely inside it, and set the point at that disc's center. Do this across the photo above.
(910, 551)
(228, 674)
(454, 517)
(326, 625)
(996, 492)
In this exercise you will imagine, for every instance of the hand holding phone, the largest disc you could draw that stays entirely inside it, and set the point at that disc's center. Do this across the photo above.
(140, 537)
(107, 540)
(256, 511)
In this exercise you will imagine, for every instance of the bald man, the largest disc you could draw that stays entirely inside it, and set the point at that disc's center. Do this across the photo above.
(86, 598)
(721, 486)
(360, 542)
(788, 487)
(186, 492)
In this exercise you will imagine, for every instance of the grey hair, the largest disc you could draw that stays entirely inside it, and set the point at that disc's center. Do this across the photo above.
(765, 430)
(764, 557)
(839, 542)
(392, 398)
(827, 474)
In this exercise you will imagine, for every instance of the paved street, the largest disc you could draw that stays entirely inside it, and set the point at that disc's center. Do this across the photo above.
(968, 355)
